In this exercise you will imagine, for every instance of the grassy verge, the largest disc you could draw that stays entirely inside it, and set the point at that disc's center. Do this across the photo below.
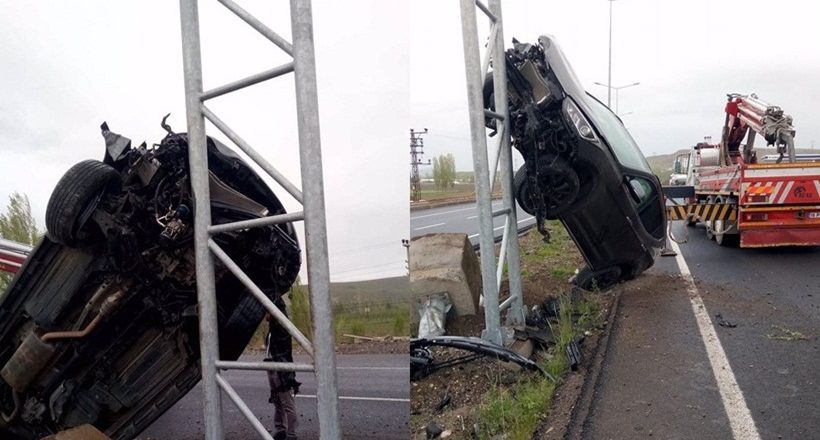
(374, 320)
(516, 410)
(359, 319)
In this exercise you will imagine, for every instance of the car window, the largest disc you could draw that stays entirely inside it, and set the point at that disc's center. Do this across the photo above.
(613, 130)
(645, 199)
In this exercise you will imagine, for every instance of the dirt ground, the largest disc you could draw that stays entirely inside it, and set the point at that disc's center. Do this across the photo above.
(451, 397)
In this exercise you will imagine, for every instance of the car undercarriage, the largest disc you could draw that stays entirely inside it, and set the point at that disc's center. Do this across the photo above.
(99, 326)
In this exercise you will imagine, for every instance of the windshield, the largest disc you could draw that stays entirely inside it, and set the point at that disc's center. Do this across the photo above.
(621, 142)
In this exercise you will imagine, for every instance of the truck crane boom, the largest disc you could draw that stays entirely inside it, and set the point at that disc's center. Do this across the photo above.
(749, 114)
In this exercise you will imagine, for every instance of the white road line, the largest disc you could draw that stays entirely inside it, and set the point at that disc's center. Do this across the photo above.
(450, 212)
(374, 399)
(740, 418)
(472, 217)
(494, 229)
(429, 226)
(442, 213)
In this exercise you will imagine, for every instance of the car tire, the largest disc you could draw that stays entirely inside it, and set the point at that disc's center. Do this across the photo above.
(603, 279)
(522, 190)
(74, 197)
(240, 326)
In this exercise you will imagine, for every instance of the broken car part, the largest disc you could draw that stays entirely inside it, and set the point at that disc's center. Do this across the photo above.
(422, 363)
(434, 314)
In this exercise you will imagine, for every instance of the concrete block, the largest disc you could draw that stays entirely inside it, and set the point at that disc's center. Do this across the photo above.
(445, 263)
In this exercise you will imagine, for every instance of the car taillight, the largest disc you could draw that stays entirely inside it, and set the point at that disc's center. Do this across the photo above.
(757, 217)
(582, 126)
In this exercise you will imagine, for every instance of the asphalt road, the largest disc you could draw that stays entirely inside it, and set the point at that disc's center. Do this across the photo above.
(657, 379)
(374, 394)
(459, 218)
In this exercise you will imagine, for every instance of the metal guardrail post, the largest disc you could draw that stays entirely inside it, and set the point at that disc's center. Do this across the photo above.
(311, 196)
(475, 69)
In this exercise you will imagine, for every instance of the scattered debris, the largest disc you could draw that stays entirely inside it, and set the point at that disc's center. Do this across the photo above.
(433, 315)
(722, 322)
(573, 355)
(422, 362)
(433, 430)
(444, 402)
(782, 333)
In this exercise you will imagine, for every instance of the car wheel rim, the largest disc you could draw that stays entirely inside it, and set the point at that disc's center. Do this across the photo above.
(559, 190)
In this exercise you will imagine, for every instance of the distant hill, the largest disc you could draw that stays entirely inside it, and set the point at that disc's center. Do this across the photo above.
(661, 164)
(394, 290)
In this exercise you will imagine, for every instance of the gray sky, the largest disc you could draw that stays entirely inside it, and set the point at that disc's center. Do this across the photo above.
(686, 54)
(67, 66)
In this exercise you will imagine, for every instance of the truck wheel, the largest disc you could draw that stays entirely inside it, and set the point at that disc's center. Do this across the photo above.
(724, 239)
(691, 221)
(710, 225)
(75, 197)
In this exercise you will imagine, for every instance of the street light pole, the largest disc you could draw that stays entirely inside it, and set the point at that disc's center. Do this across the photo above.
(617, 89)
(609, 75)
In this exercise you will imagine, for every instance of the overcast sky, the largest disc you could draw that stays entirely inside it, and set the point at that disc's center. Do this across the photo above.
(686, 55)
(67, 66)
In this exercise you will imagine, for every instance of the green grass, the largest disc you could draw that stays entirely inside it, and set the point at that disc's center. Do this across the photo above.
(559, 254)
(300, 309)
(518, 409)
(374, 320)
(515, 410)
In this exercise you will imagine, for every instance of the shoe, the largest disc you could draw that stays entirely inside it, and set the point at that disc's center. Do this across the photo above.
(281, 435)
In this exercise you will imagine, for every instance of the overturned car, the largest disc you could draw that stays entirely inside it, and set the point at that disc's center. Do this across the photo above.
(99, 326)
(580, 166)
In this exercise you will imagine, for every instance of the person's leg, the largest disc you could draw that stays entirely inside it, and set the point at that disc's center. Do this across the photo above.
(291, 416)
(279, 421)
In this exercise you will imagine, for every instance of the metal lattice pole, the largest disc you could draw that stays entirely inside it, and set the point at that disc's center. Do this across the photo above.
(492, 270)
(515, 302)
(311, 196)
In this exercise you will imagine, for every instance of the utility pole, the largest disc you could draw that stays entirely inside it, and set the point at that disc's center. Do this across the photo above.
(416, 151)
(609, 75)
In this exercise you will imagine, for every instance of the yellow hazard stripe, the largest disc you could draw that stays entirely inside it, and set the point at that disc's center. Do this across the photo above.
(702, 212)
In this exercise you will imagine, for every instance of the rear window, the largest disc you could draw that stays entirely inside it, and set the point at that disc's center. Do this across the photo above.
(613, 130)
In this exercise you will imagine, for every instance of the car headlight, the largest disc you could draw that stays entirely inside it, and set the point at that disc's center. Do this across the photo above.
(582, 125)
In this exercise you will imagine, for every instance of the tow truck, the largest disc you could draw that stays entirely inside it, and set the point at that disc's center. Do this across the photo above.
(746, 201)
(12, 255)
